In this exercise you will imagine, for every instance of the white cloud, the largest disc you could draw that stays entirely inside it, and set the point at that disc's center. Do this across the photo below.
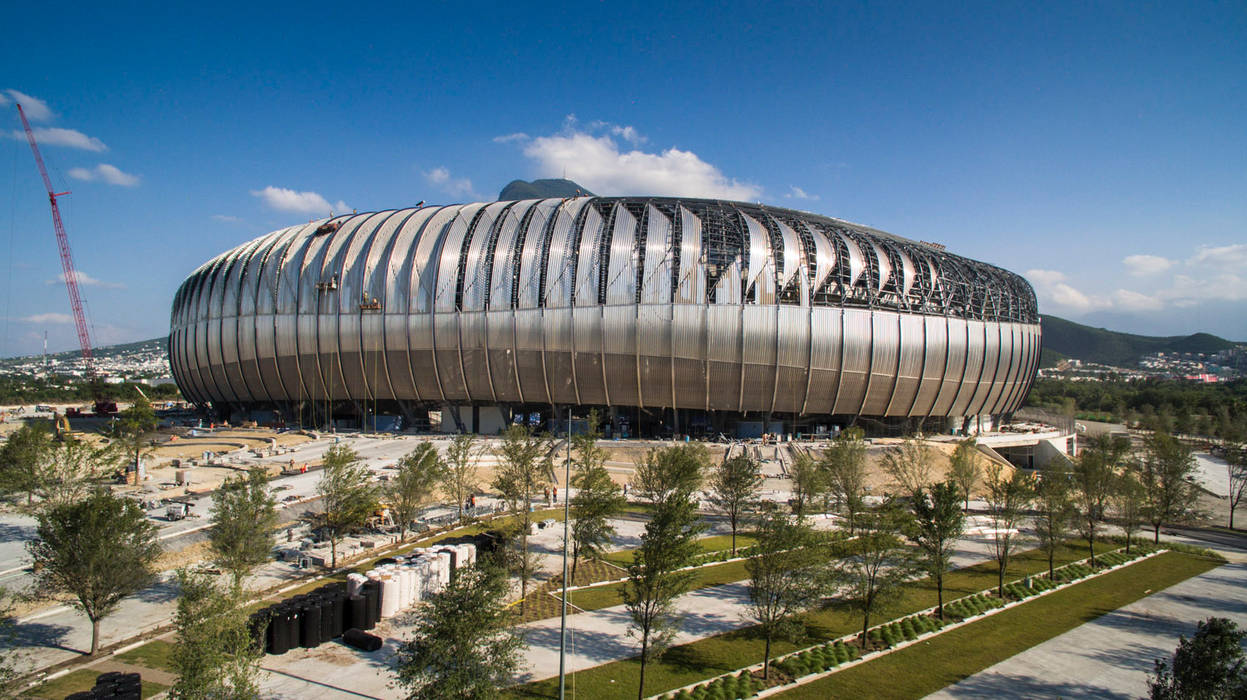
(441, 178)
(1234, 255)
(1127, 300)
(55, 136)
(795, 192)
(226, 218)
(105, 173)
(1051, 285)
(36, 109)
(48, 318)
(508, 138)
(598, 163)
(283, 199)
(85, 280)
(1140, 265)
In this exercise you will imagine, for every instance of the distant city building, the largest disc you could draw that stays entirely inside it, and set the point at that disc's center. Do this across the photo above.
(675, 314)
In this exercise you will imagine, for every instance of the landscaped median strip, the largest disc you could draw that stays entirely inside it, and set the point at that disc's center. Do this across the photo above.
(836, 655)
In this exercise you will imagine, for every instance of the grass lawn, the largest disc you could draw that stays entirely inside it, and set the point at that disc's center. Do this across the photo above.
(714, 543)
(80, 680)
(605, 596)
(154, 654)
(727, 652)
(921, 669)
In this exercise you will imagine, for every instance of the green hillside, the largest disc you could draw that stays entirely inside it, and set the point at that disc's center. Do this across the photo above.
(1074, 340)
(539, 189)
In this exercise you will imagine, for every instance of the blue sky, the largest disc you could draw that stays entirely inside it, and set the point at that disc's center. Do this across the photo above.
(1100, 150)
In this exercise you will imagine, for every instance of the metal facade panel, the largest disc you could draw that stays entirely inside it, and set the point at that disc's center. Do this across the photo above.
(885, 266)
(973, 369)
(446, 355)
(883, 365)
(420, 355)
(855, 370)
(913, 344)
(793, 257)
(333, 358)
(500, 336)
(936, 349)
(475, 270)
(473, 348)
(656, 274)
(688, 344)
(692, 266)
(857, 259)
(991, 356)
(619, 354)
(723, 356)
(451, 255)
(792, 358)
(506, 256)
(529, 355)
(353, 293)
(560, 261)
(541, 226)
(761, 273)
(588, 262)
(824, 257)
(560, 365)
(587, 355)
(655, 353)
(826, 358)
(907, 272)
(727, 289)
(998, 371)
(758, 333)
(955, 369)
(424, 285)
(621, 267)
(397, 361)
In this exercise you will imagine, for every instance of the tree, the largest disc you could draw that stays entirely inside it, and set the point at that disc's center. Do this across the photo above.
(1007, 498)
(459, 480)
(244, 518)
(909, 465)
(807, 483)
(1165, 474)
(964, 467)
(879, 563)
(214, 654)
(23, 460)
(597, 498)
(9, 657)
(1236, 466)
(654, 577)
(937, 524)
(72, 467)
(99, 550)
(1209, 665)
(1095, 476)
(844, 463)
(419, 472)
(463, 645)
(734, 489)
(1129, 500)
(787, 576)
(670, 471)
(1055, 513)
(348, 496)
(133, 425)
(523, 469)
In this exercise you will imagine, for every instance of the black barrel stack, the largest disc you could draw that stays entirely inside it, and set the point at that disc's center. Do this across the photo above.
(113, 686)
(311, 619)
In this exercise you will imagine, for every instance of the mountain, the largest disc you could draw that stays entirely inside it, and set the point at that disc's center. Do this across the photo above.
(1066, 339)
(108, 351)
(539, 189)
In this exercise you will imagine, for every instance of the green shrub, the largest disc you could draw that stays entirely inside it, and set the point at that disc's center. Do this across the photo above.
(683, 695)
(744, 682)
(699, 693)
(907, 629)
(843, 654)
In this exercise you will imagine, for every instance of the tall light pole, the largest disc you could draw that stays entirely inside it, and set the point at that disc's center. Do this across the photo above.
(567, 499)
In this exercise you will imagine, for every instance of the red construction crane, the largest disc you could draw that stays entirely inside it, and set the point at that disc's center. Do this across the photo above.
(103, 406)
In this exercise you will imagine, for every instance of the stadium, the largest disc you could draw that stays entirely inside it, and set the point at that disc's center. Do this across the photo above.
(668, 315)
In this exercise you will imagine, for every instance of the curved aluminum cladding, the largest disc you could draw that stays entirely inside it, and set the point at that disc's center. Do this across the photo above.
(628, 301)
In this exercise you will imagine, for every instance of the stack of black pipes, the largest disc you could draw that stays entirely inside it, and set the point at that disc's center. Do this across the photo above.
(311, 619)
(113, 686)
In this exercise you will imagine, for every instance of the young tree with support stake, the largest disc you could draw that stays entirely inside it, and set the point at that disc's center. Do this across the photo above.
(133, 425)
(787, 577)
(844, 464)
(878, 563)
(419, 472)
(24, 459)
(670, 472)
(734, 490)
(1095, 475)
(463, 645)
(99, 550)
(654, 579)
(1007, 499)
(244, 518)
(1130, 503)
(1165, 474)
(348, 495)
(1236, 466)
(909, 464)
(214, 654)
(808, 481)
(1054, 513)
(937, 524)
(597, 498)
(523, 470)
(964, 468)
(459, 480)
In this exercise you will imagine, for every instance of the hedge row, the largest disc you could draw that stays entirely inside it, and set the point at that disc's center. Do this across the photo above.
(973, 605)
(725, 554)
(737, 687)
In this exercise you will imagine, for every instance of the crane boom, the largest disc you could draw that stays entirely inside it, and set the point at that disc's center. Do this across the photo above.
(67, 265)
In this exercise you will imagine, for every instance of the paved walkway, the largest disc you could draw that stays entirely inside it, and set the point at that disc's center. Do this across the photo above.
(1111, 657)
